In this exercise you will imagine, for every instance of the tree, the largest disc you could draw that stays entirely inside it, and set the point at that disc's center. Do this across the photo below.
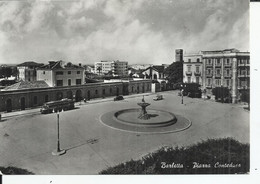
(99, 69)
(222, 94)
(174, 73)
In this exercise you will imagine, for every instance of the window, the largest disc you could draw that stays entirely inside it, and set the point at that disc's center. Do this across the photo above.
(208, 71)
(198, 60)
(218, 61)
(189, 60)
(209, 61)
(132, 88)
(197, 69)
(228, 83)
(78, 81)
(217, 82)
(189, 67)
(35, 100)
(228, 72)
(69, 82)
(209, 82)
(197, 80)
(104, 92)
(59, 82)
(189, 80)
(218, 72)
(69, 72)
(227, 62)
(59, 73)
(78, 72)
(111, 90)
(43, 72)
(96, 91)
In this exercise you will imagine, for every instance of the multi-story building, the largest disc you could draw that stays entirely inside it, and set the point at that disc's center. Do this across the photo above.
(192, 67)
(117, 68)
(27, 71)
(228, 68)
(178, 55)
(55, 74)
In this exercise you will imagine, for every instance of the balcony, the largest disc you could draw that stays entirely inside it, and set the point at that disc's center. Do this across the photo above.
(243, 64)
(209, 64)
(209, 74)
(188, 73)
(227, 75)
(197, 73)
(218, 75)
(218, 64)
(243, 75)
(227, 65)
(209, 86)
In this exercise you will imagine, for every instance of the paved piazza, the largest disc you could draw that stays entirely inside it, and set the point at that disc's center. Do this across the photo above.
(28, 141)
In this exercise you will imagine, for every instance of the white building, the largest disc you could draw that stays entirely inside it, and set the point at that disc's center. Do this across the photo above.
(192, 68)
(54, 74)
(117, 68)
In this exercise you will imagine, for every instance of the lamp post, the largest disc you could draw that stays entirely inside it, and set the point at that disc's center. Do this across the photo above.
(181, 94)
(58, 151)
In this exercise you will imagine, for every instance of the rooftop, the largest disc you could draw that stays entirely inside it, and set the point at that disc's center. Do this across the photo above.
(27, 85)
(30, 64)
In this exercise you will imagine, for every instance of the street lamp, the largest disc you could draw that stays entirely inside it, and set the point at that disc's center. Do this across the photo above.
(181, 94)
(58, 151)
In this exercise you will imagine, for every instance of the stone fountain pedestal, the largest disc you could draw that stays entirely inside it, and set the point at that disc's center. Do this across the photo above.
(143, 113)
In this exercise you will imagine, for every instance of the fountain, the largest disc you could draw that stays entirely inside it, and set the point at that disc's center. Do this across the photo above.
(145, 120)
(143, 114)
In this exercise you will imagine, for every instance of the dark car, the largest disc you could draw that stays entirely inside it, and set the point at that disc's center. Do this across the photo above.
(120, 97)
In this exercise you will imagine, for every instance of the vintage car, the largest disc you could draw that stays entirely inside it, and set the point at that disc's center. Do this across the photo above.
(158, 97)
(119, 97)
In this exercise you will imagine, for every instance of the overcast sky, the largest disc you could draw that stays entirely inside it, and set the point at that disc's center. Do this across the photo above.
(137, 31)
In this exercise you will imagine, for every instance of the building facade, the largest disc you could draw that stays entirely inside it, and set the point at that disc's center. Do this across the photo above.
(55, 74)
(154, 72)
(21, 99)
(192, 67)
(222, 68)
(116, 68)
(27, 71)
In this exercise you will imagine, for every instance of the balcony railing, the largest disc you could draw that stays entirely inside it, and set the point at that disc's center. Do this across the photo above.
(227, 65)
(227, 75)
(197, 73)
(243, 64)
(218, 65)
(209, 74)
(243, 75)
(188, 73)
(209, 64)
(217, 75)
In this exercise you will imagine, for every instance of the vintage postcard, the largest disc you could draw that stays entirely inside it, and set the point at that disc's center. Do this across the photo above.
(139, 87)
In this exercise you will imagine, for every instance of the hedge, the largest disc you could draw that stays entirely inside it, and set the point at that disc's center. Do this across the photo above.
(212, 155)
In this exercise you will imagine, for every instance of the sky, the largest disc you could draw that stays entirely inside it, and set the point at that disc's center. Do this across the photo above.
(137, 31)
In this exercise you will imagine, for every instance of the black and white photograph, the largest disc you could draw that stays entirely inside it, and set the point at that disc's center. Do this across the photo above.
(125, 87)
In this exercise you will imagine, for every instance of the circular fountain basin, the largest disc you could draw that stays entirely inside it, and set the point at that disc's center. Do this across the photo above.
(158, 122)
(157, 118)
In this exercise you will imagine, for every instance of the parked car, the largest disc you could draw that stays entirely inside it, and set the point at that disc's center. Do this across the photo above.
(119, 97)
(158, 97)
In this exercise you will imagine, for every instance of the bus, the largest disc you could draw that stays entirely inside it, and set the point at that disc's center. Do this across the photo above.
(64, 104)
